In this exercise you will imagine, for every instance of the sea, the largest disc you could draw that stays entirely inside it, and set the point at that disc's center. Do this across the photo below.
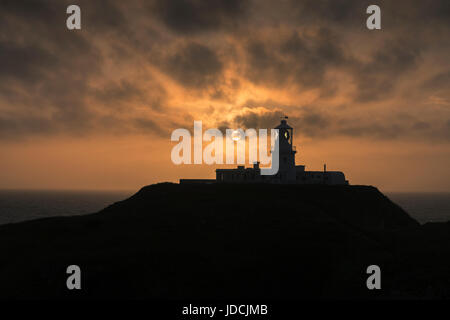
(22, 205)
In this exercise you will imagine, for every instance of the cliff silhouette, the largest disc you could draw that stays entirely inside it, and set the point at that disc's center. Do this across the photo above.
(171, 241)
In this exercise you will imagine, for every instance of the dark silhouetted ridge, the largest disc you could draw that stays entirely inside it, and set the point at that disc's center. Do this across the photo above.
(171, 241)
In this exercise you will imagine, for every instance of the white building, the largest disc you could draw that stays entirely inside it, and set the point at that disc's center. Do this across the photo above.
(288, 172)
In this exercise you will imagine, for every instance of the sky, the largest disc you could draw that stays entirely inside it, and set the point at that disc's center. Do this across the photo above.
(94, 108)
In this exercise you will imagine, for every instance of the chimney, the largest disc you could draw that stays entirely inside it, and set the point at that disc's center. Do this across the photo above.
(324, 167)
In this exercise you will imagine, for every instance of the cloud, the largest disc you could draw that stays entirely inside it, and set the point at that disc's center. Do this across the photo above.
(377, 78)
(258, 120)
(149, 125)
(24, 63)
(250, 61)
(194, 66)
(54, 81)
(317, 123)
(196, 16)
(299, 59)
(438, 81)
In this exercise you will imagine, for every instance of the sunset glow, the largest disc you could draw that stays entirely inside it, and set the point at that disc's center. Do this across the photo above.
(94, 108)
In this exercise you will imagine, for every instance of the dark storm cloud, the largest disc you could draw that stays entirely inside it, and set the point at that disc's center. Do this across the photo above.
(314, 123)
(304, 60)
(24, 62)
(194, 65)
(264, 66)
(194, 16)
(300, 59)
(37, 43)
(37, 51)
(328, 11)
(377, 78)
(123, 92)
(371, 130)
(37, 11)
(104, 16)
(409, 14)
(44, 74)
(439, 81)
(258, 120)
(412, 26)
(50, 16)
(47, 71)
(412, 128)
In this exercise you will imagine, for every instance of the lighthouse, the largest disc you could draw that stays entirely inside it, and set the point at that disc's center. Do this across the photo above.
(287, 151)
(288, 171)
